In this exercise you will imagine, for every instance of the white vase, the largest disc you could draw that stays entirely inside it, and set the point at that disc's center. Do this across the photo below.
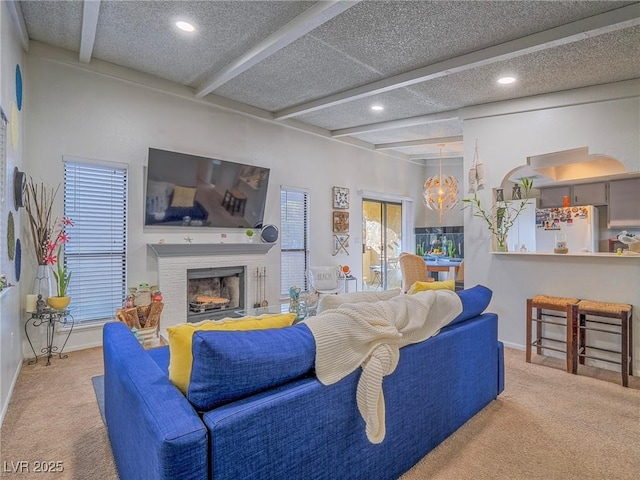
(42, 282)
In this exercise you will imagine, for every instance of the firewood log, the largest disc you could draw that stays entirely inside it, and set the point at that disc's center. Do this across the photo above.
(153, 319)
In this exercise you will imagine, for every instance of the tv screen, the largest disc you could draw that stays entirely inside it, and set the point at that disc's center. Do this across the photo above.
(191, 191)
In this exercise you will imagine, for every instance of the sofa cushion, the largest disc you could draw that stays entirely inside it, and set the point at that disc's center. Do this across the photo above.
(474, 301)
(422, 286)
(231, 365)
(328, 302)
(180, 340)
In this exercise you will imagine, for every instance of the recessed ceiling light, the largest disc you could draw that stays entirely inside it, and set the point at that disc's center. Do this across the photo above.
(506, 80)
(186, 26)
(377, 108)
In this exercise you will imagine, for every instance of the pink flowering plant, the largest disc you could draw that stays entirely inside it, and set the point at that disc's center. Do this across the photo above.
(47, 233)
(54, 257)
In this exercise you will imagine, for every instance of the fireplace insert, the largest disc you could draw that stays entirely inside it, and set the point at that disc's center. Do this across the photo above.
(214, 293)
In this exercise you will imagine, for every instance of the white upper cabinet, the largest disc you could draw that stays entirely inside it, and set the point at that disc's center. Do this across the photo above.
(624, 203)
(554, 196)
(590, 194)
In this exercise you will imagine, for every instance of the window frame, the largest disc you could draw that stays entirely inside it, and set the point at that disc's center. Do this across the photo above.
(123, 170)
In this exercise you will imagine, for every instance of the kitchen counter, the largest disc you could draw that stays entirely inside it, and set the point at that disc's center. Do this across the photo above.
(576, 254)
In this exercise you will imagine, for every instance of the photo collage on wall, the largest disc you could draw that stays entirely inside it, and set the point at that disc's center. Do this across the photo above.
(340, 220)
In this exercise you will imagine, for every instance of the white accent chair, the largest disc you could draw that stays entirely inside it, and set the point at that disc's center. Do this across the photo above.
(326, 280)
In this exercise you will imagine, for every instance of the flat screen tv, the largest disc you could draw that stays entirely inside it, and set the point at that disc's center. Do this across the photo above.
(191, 191)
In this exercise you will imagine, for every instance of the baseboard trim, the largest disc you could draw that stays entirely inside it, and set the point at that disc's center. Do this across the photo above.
(10, 394)
(517, 346)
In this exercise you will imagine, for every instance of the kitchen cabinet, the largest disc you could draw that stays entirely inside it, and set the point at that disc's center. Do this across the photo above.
(554, 196)
(589, 194)
(624, 203)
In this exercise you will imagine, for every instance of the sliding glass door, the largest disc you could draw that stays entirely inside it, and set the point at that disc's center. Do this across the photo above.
(381, 244)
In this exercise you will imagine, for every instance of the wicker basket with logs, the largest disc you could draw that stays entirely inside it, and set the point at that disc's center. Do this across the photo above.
(146, 319)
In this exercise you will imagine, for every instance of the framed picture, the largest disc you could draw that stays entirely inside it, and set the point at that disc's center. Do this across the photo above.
(340, 198)
(340, 244)
(340, 222)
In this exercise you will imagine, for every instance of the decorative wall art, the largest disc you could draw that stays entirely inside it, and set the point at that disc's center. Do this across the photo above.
(18, 259)
(476, 172)
(19, 187)
(19, 87)
(340, 198)
(340, 222)
(340, 244)
(11, 237)
(3, 154)
(14, 126)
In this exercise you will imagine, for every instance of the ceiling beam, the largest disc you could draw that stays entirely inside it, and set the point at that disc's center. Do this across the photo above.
(614, 20)
(15, 12)
(313, 17)
(400, 123)
(90, 11)
(436, 157)
(422, 141)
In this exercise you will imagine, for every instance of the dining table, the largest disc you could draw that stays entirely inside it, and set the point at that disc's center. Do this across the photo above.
(436, 265)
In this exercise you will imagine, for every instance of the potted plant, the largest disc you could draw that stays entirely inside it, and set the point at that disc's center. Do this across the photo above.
(61, 274)
(48, 236)
(501, 216)
(62, 278)
(249, 233)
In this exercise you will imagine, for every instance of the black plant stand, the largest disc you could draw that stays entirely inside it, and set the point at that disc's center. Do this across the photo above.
(49, 318)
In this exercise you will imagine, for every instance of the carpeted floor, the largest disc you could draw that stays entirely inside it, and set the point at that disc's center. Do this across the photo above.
(546, 425)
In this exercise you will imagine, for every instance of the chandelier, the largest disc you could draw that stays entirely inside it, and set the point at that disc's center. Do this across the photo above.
(441, 192)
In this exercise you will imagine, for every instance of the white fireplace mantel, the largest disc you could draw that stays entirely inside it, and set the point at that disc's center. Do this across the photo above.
(200, 249)
(175, 259)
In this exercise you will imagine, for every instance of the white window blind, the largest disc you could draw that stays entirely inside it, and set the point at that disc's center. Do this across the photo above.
(294, 239)
(95, 198)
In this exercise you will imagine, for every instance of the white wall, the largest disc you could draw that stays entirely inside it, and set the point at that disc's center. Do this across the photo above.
(10, 325)
(84, 114)
(506, 140)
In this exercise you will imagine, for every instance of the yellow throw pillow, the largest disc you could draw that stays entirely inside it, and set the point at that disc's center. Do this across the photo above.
(422, 286)
(181, 336)
(183, 196)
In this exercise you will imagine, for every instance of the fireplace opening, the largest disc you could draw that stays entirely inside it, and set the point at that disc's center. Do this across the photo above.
(214, 292)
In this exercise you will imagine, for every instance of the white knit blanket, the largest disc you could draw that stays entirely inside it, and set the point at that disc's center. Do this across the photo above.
(371, 335)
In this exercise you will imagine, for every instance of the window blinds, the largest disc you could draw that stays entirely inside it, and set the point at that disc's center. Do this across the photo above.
(294, 239)
(95, 198)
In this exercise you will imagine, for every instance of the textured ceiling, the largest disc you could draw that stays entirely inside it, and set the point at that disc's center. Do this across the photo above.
(347, 48)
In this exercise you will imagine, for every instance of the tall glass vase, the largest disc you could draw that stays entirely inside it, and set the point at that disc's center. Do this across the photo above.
(42, 282)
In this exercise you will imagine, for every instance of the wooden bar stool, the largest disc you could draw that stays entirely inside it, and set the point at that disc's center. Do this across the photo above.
(580, 324)
(555, 304)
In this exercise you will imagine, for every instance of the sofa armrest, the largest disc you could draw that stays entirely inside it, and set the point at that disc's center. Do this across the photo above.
(154, 431)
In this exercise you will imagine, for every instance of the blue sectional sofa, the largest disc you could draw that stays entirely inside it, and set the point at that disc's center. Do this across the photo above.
(298, 428)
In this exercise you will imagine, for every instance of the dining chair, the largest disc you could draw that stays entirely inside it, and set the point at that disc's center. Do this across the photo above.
(413, 269)
(460, 277)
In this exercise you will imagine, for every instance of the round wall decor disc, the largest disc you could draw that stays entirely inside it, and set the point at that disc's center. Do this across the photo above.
(19, 186)
(11, 237)
(18, 259)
